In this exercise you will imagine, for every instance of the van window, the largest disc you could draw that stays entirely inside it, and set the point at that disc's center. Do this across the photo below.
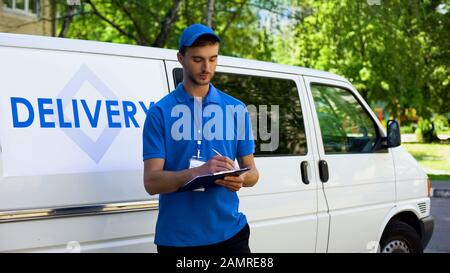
(345, 126)
(257, 91)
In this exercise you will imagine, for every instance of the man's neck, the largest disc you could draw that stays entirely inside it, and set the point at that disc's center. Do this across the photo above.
(196, 90)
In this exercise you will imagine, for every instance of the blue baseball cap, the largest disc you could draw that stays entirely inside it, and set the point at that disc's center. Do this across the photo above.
(193, 32)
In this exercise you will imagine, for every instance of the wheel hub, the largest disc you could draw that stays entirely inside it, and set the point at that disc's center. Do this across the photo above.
(396, 246)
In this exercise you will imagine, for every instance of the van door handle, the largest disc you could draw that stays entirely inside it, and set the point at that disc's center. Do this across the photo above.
(323, 171)
(304, 170)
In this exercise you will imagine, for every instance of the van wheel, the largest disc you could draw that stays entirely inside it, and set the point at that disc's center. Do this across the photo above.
(400, 237)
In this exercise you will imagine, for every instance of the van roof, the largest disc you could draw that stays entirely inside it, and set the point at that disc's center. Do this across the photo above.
(86, 46)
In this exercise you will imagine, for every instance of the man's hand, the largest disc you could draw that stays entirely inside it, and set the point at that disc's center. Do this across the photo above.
(215, 164)
(248, 179)
(233, 183)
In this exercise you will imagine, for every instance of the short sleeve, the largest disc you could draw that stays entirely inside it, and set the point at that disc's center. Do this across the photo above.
(153, 134)
(246, 144)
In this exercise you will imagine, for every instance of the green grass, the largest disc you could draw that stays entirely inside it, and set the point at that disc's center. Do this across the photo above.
(434, 157)
(439, 177)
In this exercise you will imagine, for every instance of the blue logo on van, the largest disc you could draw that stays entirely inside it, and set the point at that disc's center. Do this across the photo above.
(71, 126)
(94, 149)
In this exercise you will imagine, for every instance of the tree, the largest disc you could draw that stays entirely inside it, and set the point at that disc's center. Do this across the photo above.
(159, 23)
(383, 49)
(396, 52)
(209, 13)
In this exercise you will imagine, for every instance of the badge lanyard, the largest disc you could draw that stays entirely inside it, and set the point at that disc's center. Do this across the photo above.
(196, 160)
(198, 124)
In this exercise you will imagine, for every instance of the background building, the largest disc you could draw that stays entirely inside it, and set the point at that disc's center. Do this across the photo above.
(35, 17)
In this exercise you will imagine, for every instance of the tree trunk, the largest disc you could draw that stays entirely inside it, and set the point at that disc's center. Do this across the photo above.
(209, 14)
(53, 7)
(167, 24)
(70, 12)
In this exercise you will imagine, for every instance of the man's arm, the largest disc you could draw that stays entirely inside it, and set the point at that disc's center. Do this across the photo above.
(251, 177)
(247, 179)
(156, 180)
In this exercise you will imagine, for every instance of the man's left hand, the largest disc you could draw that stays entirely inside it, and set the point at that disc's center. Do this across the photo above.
(232, 183)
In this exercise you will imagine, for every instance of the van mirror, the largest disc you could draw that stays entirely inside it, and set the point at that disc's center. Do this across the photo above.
(393, 134)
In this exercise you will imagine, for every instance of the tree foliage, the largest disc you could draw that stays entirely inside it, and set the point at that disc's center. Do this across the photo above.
(159, 23)
(394, 51)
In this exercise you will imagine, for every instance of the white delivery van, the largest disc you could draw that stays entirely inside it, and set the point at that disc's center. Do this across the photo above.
(71, 171)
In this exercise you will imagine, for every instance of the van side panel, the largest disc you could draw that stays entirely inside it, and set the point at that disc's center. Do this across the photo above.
(122, 232)
(48, 168)
(280, 208)
(411, 179)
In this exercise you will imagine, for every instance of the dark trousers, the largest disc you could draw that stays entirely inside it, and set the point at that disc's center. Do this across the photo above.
(236, 244)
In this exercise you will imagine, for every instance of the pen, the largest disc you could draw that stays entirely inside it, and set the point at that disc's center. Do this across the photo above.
(217, 153)
(236, 166)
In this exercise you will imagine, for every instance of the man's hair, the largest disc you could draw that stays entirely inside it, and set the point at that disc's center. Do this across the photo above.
(203, 40)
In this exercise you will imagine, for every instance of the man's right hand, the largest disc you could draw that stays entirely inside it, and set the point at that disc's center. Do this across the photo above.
(215, 164)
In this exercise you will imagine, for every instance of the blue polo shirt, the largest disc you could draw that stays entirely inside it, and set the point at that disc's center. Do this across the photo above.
(198, 217)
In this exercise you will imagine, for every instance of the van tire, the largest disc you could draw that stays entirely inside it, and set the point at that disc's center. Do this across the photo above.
(400, 237)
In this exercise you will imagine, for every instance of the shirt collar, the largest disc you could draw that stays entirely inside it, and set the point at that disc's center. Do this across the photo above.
(181, 95)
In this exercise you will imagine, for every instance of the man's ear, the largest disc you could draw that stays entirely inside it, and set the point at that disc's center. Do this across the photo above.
(180, 58)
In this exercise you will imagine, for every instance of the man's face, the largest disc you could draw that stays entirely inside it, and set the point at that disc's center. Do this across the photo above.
(199, 63)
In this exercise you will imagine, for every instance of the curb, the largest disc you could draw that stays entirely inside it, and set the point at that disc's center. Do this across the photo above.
(440, 193)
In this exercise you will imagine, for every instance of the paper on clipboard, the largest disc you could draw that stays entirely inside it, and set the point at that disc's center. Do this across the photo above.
(206, 181)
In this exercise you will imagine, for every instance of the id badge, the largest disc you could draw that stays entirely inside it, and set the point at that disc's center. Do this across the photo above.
(196, 162)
